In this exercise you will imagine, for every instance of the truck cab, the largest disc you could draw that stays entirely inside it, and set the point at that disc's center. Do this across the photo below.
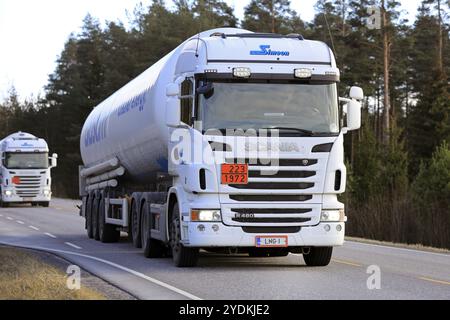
(25, 170)
(256, 147)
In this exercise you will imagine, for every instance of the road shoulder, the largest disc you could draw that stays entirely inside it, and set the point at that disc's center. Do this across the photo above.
(51, 268)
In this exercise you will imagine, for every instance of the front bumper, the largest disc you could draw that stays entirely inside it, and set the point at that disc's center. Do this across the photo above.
(225, 236)
(16, 199)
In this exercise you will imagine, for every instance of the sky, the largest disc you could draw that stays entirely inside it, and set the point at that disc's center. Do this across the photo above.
(33, 33)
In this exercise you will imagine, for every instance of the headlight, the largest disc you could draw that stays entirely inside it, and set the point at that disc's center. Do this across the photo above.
(8, 193)
(46, 193)
(333, 216)
(206, 215)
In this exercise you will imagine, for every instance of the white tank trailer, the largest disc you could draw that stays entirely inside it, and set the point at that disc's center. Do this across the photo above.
(25, 170)
(140, 177)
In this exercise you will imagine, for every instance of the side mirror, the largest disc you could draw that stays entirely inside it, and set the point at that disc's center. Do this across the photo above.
(173, 112)
(353, 115)
(356, 93)
(207, 90)
(172, 90)
(53, 160)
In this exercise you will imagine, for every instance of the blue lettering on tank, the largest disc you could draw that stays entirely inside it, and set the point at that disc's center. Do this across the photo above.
(265, 51)
(137, 102)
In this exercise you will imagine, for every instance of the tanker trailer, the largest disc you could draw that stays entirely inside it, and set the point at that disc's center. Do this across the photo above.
(234, 140)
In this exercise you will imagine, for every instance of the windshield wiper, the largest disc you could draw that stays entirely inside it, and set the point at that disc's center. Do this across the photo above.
(304, 131)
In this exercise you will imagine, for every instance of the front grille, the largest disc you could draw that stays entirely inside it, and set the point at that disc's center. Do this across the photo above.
(270, 211)
(281, 174)
(271, 220)
(273, 185)
(269, 230)
(270, 197)
(29, 186)
(274, 162)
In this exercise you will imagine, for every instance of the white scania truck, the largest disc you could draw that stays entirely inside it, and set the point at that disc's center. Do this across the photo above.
(25, 170)
(233, 142)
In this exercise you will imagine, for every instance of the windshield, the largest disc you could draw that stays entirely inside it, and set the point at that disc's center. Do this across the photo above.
(26, 160)
(309, 107)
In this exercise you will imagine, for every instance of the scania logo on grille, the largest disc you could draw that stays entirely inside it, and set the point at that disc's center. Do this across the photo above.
(277, 147)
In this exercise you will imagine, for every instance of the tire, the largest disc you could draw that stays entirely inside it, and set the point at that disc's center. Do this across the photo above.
(152, 247)
(4, 204)
(318, 256)
(45, 204)
(89, 230)
(95, 221)
(182, 256)
(107, 233)
(135, 223)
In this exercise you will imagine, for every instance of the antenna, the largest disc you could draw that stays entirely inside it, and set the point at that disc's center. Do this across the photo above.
(331, 35)
(196, 49)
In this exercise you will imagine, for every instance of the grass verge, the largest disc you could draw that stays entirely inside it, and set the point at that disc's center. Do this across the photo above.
(418, 247)
(25, 275)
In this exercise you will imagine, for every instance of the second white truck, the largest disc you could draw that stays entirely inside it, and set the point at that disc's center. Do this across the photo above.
(233, 142)
(25, 170)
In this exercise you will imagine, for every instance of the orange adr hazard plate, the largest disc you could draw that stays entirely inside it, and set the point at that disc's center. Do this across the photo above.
(234, 174)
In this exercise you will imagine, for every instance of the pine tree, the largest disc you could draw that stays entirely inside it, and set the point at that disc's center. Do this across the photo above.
(271, 16)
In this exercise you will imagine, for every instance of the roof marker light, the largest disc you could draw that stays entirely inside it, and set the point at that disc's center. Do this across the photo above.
(242, 72)
(302, 73)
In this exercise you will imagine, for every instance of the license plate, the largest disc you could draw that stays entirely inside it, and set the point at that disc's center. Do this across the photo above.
(271, 242)
(27, 199)
(234, 174)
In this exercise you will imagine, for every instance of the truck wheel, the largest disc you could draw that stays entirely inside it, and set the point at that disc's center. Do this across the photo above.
(89, 230)
(4, 204)
(318, 256)
(182, 256)
(152, 247)
(135, 224)
(106, 232)
(45, 204)
(95, 210)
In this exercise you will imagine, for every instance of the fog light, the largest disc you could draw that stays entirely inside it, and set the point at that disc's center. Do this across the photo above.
(242, 72)
(302, 73)
(339, 228)
(327, 228)
(215, 228)
(46, 193)
(201, 228)
(8, 193)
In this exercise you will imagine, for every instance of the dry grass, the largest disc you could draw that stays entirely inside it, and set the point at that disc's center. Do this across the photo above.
(25, 276)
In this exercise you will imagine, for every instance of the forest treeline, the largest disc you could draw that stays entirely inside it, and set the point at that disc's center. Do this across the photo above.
(399, 162)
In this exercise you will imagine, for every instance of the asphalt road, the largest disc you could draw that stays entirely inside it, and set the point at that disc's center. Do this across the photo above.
(404, 273)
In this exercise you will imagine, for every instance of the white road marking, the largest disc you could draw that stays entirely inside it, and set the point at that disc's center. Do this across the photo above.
(73, 245)
(118, 266)
(33, 227)
(9, 218)
(401, 249)
(50, 235)
(20, 222)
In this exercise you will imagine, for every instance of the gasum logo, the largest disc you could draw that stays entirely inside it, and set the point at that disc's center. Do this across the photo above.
(266, 51)
(26, 144)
